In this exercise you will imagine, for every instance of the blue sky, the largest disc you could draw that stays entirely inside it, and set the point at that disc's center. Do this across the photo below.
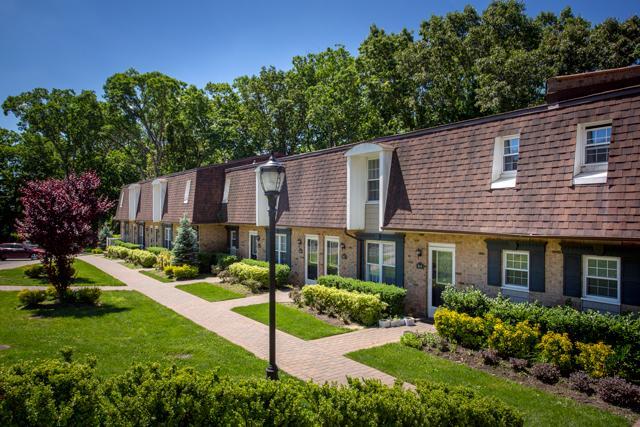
(79, 43)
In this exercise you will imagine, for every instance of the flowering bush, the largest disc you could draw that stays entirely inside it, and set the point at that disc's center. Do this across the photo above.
(594, 359)
(556, 349)
(461, 328)
(163, 259)
(517, 341)
(366, 309)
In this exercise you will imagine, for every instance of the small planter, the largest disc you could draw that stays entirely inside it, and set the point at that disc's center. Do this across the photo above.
(410, 321)
(397, 322)
(384, 323)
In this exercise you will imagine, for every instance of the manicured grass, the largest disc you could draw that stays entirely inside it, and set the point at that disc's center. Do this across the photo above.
(127, 328)
(209, 291)
(539, 408)
(157, 275)
(292, 321)
(86, 275)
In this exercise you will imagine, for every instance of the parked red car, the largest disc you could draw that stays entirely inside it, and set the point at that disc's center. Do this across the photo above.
(19, 250)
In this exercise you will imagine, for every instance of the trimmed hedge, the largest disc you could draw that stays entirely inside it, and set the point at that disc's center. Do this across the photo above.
(365, 309)
(390, 294)
(181, 272)
(69, 394)
(283, 271)
(621, 331)
(224, 260)
(126, 244)
(136, 256)
(156, 250)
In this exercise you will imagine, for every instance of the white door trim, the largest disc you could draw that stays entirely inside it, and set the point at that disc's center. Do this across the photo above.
(449, 247)
(308, 237)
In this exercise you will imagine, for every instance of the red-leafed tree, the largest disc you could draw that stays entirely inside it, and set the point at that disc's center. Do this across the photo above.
(60, 216)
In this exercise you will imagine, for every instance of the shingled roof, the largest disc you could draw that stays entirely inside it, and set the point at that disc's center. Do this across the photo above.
(441, 177)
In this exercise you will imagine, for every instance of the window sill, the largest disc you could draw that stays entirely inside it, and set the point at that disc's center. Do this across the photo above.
(504, 182)
(515, 288)
(595, 177)
(376, 202)
(601, 300)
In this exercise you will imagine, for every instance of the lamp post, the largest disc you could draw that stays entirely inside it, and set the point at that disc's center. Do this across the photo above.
(271, 179)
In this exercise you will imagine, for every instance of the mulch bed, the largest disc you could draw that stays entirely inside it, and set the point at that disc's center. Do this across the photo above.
(332, 320)
(473, 359)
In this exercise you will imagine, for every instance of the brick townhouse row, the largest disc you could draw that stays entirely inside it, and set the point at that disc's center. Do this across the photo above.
(539, 204)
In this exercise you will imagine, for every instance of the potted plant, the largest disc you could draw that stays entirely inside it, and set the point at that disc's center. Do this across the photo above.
(395, 322)
(410, 321)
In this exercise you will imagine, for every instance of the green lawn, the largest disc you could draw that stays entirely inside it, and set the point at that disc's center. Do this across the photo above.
(156, 275)
(86, 275)
(127, 328)
(209, 291)
(539, 408)
(291, 320)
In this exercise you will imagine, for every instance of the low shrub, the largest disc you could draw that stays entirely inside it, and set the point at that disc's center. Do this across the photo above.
(156, 250)
(205, 261)
(365, 309)
(471, 301)
(241, 272)
(143, 258)
(126, 244)
(516, 341)
(490, 357)
(119, 252)
(224, 260)
(34, 271)
(412, 340)
(253, 285)
(582, 382)
(89, 296)
(556, 348)
(594, 359)
(283, 271)
(30, 298)
(97, 251)
(618, 392)
(468, 331)
(163, 259)
(168, 270)
(546, 372)
(392, 295)
(71, 393)
(184, 272)
(518, 365)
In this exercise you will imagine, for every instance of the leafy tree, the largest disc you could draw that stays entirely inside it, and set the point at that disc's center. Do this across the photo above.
(59, 215)
(185, 248)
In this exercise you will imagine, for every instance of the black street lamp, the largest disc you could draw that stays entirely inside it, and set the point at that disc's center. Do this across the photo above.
(271, 179)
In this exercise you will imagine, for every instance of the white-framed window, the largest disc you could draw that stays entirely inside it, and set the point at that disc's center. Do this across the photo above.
(515, 269)
(233, 242)
(187, 188)
(332, 255)
(592, 152)
(506, 154)
(168, 236)
(253, 244)
(381, 261)
(225, 193)
(281, 248)
(601, 278)
(373, 180)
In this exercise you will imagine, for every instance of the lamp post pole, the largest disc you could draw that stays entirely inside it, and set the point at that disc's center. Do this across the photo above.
(272, 369)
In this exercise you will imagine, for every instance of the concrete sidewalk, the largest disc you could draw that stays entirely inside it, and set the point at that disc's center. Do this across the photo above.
(320, 360)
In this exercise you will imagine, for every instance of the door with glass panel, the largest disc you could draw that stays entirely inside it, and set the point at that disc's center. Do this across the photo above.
(441, 273)
(332, 255)
(311, 260)
(381, 262)
(253, 245)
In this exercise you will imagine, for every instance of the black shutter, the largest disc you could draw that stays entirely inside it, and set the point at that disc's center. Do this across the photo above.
(572, 274)
(536, 268)
(494, 263)
(630, 277)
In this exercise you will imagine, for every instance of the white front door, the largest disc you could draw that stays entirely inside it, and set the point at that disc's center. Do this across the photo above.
(311, 260)
(441, 272)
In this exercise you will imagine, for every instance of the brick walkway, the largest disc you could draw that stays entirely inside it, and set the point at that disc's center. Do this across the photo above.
(320, 360)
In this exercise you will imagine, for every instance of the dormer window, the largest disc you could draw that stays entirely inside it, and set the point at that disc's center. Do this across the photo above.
(597, 145)
(225, 193)
(506, 154)
(187, 188)
(592, 153)
(373, 180)
(121, 198)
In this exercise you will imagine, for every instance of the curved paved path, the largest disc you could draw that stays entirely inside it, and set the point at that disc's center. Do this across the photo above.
(320, 360)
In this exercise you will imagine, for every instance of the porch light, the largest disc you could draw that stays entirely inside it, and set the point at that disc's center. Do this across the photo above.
(418, 252)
